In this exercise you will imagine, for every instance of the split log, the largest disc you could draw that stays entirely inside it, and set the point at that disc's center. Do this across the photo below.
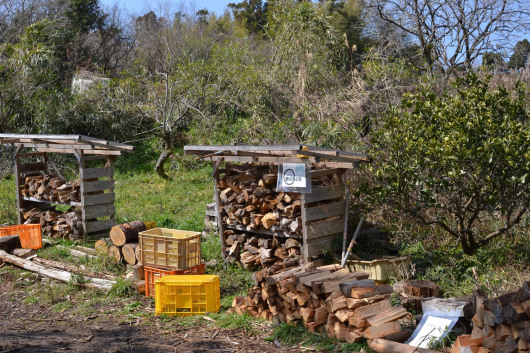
(382, 331)
(129, 253)
(421, 288)
(24, 253)
(126, 232)
(102, 245)
(115, 253)
(60, 275)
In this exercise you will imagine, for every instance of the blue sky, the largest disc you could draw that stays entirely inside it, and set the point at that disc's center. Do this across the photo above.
(140, 6)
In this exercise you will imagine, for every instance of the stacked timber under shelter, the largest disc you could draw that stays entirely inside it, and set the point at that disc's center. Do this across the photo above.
(278, 203)
(42, 191)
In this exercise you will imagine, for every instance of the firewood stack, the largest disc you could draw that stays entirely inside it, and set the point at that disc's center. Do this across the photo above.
(500, 325)
(255, 252)
(348, 306)
(122, 245)
(51, 188)
(250, 203)
(55, 223)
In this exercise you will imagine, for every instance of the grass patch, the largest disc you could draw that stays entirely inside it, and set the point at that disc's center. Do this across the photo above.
(243, 322)
(178, 202)
(297, 335)
(121, 289)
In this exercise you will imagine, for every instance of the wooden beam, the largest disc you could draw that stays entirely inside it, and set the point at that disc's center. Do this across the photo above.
(325, 211)
(325, 193)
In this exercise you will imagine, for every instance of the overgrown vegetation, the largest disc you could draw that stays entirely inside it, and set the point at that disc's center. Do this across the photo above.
(451, 173)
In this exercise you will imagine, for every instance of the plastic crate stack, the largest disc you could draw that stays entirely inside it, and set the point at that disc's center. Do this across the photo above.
(169, 252)
(30, 235)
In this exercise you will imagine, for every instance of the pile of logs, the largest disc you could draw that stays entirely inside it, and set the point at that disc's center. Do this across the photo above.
(348, 306)
(122, 245)
(55, 223)
(500, 325)
(51, 188)
(248, 198)
(254, 251)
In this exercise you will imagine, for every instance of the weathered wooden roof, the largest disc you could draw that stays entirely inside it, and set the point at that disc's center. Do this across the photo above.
(289, 153)
(65, 143)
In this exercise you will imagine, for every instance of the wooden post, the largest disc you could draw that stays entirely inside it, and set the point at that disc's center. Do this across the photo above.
(110, 163)
(304, 250)
(17, 183)
(81, 159)
(220, 225)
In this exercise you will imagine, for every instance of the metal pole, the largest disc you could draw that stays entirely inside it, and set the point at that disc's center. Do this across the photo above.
(345, 234)
(345, 258)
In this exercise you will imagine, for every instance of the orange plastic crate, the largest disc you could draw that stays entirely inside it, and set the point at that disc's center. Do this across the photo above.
(153, 273)
(29, 234)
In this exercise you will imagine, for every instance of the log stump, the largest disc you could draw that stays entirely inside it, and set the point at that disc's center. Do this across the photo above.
(126, 232)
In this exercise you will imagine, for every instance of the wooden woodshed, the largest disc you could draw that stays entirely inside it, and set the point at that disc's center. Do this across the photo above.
(315, 218)
(96, 174)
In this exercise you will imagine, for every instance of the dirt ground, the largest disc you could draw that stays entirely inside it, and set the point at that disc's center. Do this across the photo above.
(40, 327)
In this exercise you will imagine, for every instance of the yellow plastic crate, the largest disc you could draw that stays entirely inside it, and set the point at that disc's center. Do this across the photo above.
(187, 295)
(382, 270)
(179, 249)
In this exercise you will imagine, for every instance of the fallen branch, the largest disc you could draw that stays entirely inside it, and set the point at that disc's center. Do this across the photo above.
(77, 253)
(71, 268)
(60, 275)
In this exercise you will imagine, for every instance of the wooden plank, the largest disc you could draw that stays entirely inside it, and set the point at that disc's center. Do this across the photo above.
(314, 247)
(97, 226)
(30, 154)
(64, 139)
(90, 200)
(324, 211)
(304, 250)
(98, 172)
(323, 228)
(344, 158)
(100, 185)
(189, 149)
(70, 150)
(278, 233)
(319, 173)
(95, 157)
(18, 190)
(276, 160)
(32, 199)
(218, 214)
(31, 167)
(103, 210)
(325, 193)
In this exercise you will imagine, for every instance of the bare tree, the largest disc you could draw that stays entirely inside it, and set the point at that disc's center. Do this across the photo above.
(452, 34)
(168, 75)
(16, 15)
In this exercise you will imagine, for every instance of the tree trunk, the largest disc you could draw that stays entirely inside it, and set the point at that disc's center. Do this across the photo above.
(168, 151)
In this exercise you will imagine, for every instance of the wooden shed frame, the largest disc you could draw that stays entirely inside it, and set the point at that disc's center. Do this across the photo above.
(97, 184)
(317, 232)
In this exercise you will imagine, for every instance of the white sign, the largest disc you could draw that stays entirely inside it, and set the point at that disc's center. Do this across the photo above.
(433, 329)
(294, 175)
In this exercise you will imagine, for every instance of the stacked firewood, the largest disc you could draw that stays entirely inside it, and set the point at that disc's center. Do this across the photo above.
(249, 199)
(51, 188)
(348, 306)
(254, 251)
(122, 245)
(500, 325)
(55, 223)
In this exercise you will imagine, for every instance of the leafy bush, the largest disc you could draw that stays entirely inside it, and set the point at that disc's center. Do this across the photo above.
(460, 162)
